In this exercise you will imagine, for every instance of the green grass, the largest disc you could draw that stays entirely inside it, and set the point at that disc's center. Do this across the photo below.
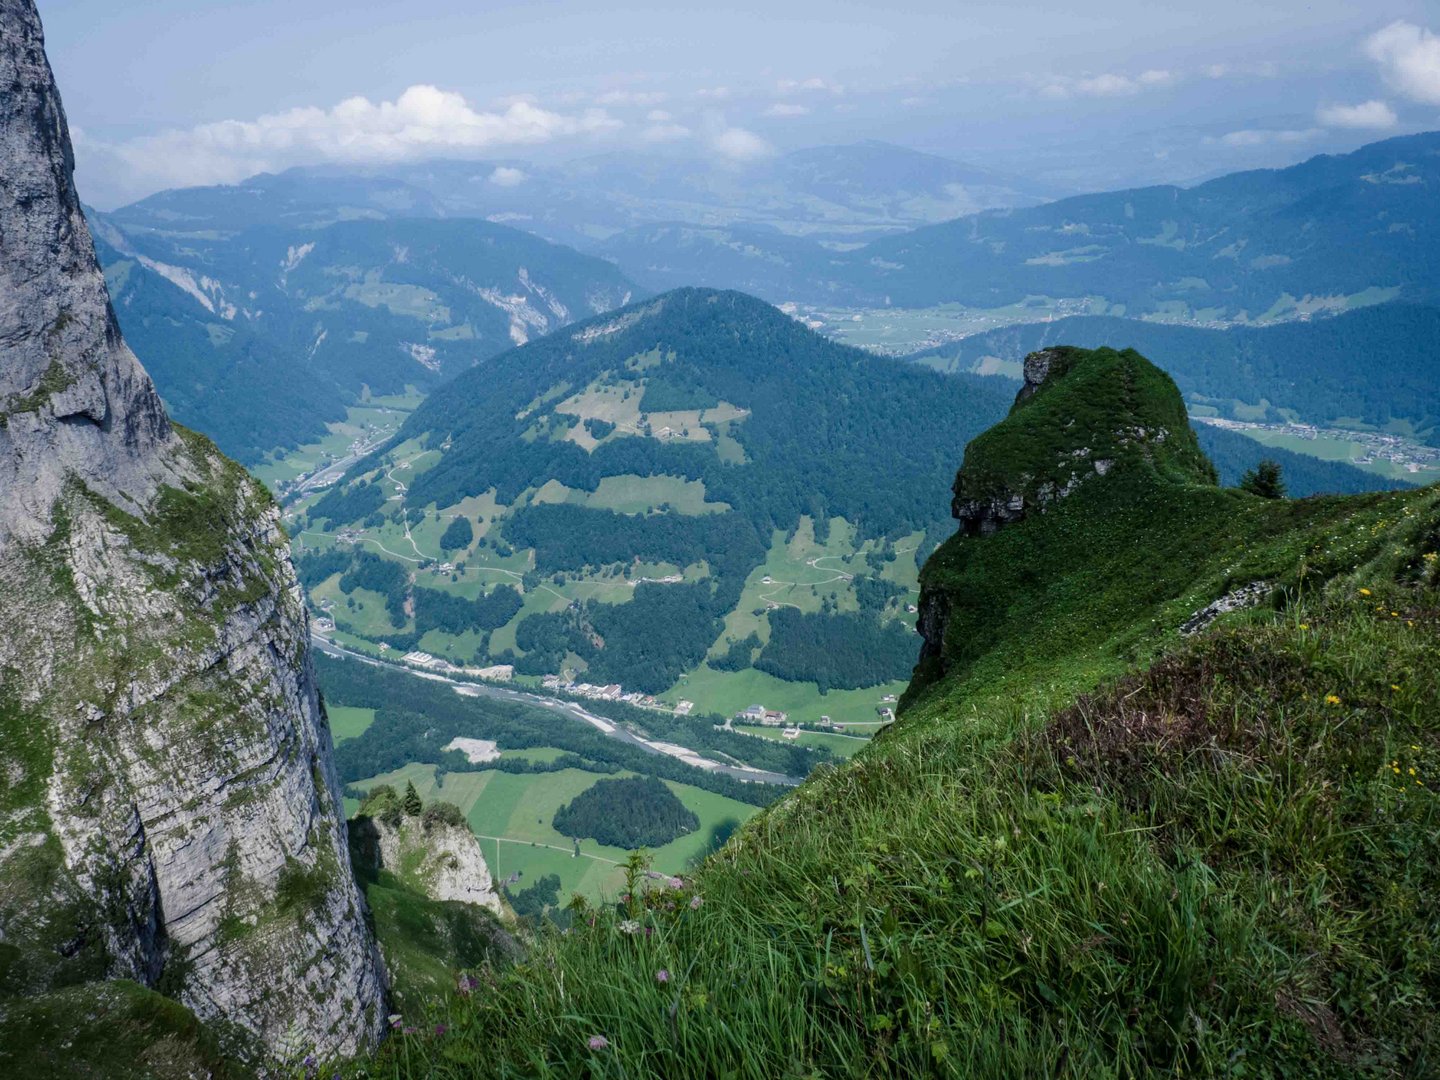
(843, 746)
(1075, 890)
(729, 692)
(347, 721)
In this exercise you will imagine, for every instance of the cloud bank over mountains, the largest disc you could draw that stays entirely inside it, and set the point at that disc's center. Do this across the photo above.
(1391, 83)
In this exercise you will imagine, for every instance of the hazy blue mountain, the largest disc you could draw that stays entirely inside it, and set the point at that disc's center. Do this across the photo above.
(259, 337)
(1373, 366)
(1331, 233)
(1250, 244)
(857, 191)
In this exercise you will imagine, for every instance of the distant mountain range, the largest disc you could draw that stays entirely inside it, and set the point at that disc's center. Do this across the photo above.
(864, 189)
(1325, 235)
(261, 335)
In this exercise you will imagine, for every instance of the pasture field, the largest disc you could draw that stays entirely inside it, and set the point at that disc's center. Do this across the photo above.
(511, 814)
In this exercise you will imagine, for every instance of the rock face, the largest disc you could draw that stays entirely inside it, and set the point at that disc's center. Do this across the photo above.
(439, 859)
(169, 810)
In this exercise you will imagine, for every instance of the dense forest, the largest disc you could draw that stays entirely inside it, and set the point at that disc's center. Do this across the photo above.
(436, 610)
(458, 535)
(838, 651)
(630, 813)
(831, 431)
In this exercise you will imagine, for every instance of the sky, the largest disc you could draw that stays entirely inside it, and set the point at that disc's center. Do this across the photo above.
(1110, 93)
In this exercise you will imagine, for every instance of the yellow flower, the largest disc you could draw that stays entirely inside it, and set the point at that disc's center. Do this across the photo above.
(1364, 592)
(1304, 626)
(1331, 699)
(1395, 687)
(1431, 556)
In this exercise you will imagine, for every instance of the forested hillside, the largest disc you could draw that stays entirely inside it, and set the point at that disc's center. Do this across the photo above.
(658, 483)
(1375, 367)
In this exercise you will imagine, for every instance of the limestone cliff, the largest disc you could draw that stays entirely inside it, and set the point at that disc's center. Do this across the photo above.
(169, 811)
(434, 853)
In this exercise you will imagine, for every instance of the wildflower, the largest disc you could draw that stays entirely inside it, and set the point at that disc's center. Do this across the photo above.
(628, 926)
(1364, 592)
(393, 1020)
(1430, 556)
(598, 1042)
(695, 903)
(1304, 626)
(662, 976)
(440, 1029)
(1332, 699)
(677, 883)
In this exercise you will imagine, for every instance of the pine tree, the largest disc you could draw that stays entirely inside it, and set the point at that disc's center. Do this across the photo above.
(1264, 480)
(412, 803)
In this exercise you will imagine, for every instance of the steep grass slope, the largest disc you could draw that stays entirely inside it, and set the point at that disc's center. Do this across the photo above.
(1092, 846)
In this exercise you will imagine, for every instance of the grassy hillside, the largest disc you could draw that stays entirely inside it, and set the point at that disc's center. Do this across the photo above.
(1092, 845)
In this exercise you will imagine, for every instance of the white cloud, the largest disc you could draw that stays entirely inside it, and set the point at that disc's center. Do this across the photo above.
(790, 86)
(424, 121)
(1368, 115)
(713, 93)
(505, 176)
(1108, 84)
(783, 109)
(1409, 59)
(1263, 136)
(631, 98)
(658, 116)
(737, 144)
(664, 132)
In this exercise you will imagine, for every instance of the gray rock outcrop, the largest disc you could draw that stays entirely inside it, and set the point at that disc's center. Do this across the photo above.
(438, 859)
(169, 809)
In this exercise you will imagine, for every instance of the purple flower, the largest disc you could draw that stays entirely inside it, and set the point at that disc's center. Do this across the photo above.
(677, 883)
(695, 903)
(440, 1029)
(393, 1020)
(662, 976)
(598, 1042)
(411, 1030)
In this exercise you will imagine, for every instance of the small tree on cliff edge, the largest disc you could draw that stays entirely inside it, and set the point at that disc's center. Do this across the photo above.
(1264, 480)
(412, 803)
